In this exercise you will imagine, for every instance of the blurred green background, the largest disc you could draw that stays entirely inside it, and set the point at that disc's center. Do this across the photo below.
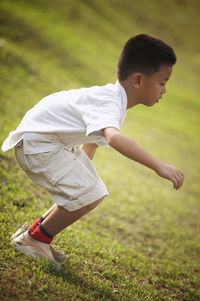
(152, 230)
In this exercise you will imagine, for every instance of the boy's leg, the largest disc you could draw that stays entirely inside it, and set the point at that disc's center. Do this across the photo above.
(48, 211)
(56, 221)
(25, 226)
(60, 218)
(40, 220)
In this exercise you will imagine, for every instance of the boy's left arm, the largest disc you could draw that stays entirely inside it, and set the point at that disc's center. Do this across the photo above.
(89, 149)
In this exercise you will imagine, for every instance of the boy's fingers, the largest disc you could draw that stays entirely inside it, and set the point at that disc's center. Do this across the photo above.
(181, 175)
(179, 181)
(181, 178)
(177, 178)
(175, 182)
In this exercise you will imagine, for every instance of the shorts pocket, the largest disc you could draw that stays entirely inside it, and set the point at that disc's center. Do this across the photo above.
(70, 176)
(64, 172)
(63, 163)
(38, 162)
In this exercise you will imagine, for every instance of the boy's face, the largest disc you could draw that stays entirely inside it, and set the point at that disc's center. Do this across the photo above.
(154, 86)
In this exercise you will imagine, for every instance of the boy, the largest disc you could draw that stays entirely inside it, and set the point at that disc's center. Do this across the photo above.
(46, 141)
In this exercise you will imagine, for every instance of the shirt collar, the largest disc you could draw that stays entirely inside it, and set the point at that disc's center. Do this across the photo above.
(122, 94)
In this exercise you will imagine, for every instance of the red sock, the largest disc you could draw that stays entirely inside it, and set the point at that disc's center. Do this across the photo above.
(38, 221)
(39, 233)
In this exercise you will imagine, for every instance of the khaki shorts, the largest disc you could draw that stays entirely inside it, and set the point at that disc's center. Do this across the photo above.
(67, 173)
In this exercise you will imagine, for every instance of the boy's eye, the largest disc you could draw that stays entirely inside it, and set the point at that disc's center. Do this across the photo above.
(162, 84)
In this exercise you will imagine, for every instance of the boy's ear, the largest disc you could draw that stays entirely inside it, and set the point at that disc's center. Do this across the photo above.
(136, 80)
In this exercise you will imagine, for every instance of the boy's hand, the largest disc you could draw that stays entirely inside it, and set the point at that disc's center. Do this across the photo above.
(171, 173)
(132, 150)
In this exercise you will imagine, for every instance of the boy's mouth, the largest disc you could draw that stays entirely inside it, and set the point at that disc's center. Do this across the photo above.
(157, 100)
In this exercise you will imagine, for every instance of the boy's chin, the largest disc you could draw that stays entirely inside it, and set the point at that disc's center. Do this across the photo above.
(149, 104)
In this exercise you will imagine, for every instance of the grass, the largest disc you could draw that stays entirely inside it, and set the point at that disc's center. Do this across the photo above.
(142, 242)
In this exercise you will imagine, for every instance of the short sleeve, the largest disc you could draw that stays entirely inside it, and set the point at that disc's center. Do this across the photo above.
(96, 119)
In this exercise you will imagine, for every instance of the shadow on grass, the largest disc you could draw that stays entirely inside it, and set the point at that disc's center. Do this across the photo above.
(70, 275)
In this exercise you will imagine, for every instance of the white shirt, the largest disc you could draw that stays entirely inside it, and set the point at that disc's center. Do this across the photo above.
(77, 116)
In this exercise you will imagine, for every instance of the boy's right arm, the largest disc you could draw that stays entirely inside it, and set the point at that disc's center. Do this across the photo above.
(132, 150)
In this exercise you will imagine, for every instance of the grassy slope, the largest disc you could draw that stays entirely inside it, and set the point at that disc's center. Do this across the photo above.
(142, 243)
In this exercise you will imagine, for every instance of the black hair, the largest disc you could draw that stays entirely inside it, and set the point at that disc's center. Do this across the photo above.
(144, 53)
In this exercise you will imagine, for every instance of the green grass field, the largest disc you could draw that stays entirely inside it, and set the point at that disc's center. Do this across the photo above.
(142, 242)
